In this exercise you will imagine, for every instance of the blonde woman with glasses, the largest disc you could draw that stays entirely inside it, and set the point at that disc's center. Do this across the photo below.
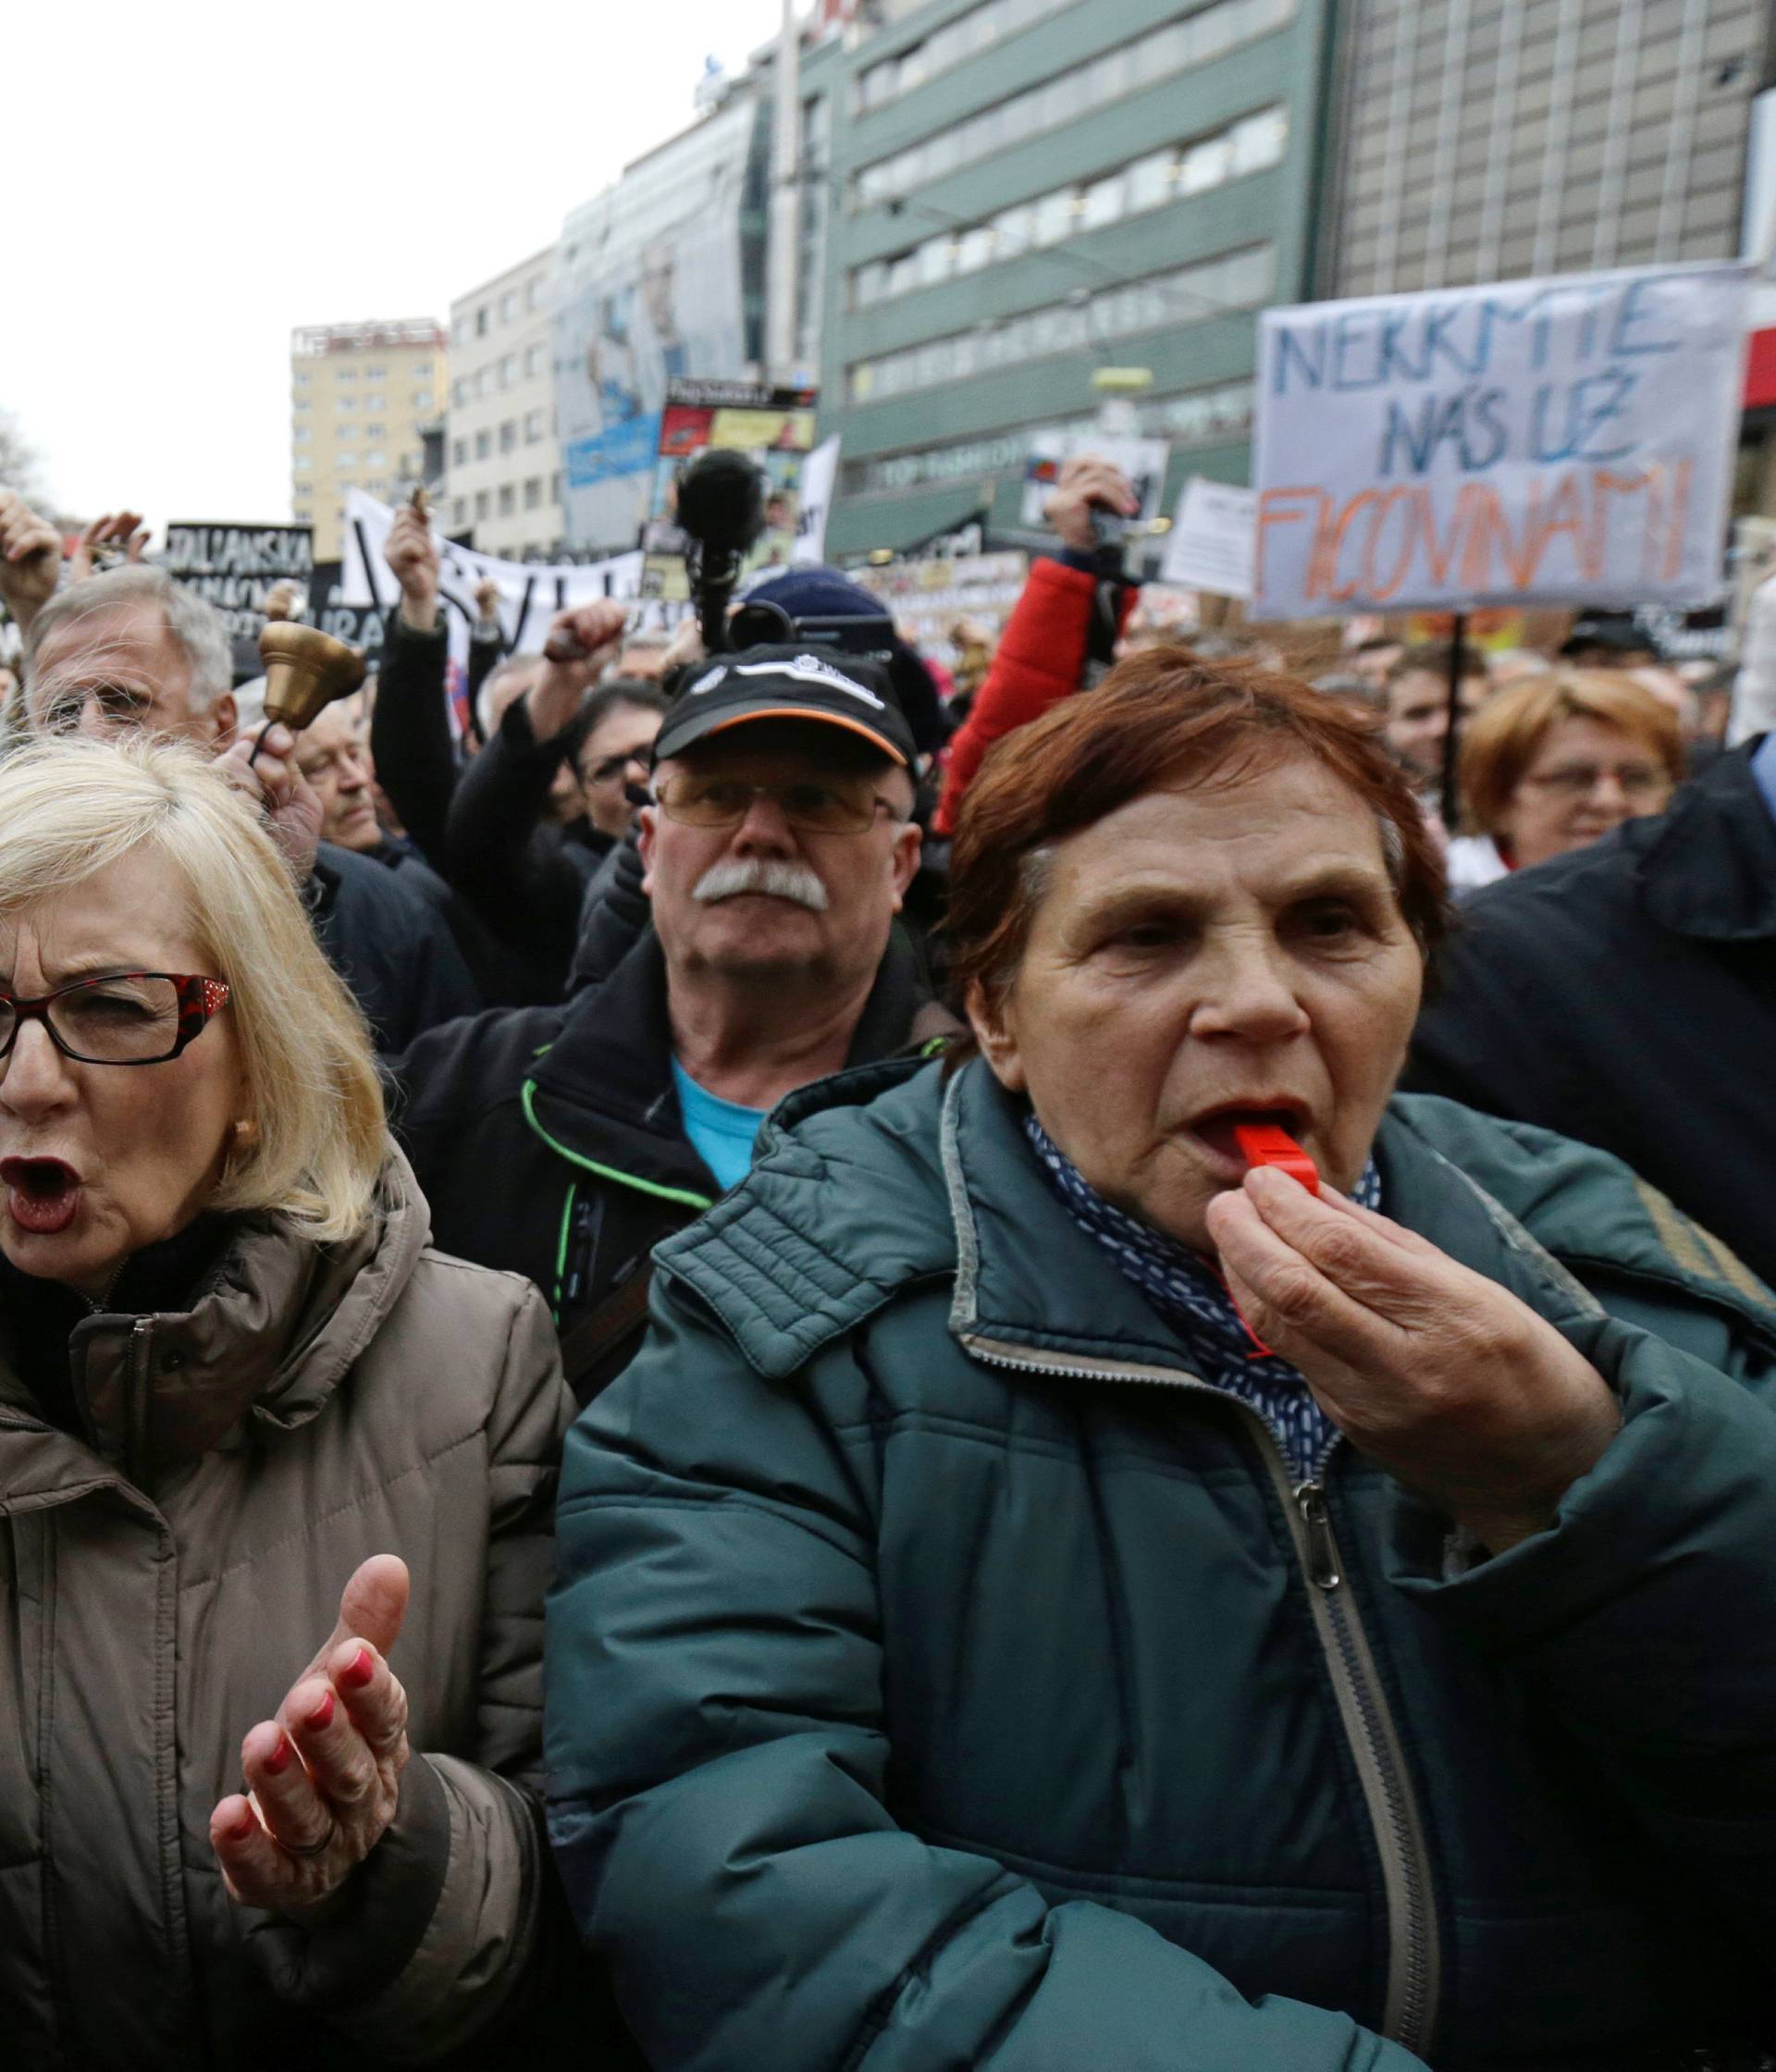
(276, 1481)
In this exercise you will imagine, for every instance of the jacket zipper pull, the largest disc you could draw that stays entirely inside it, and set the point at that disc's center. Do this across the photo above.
(141, 1333)
(1322, 1550)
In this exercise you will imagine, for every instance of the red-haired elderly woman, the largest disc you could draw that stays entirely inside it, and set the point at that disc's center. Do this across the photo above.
(1554, 763)
(1049, 1596)
(275, 1485)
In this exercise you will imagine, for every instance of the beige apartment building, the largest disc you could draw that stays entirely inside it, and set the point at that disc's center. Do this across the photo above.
(361, 396)
(502, 466)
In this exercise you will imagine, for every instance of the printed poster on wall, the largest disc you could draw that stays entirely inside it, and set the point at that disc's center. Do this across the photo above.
(1567, 440)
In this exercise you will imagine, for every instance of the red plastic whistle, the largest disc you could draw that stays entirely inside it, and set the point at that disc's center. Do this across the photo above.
(1261, 1143)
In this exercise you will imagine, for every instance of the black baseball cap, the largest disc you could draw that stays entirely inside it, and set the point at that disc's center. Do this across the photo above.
(788, 683)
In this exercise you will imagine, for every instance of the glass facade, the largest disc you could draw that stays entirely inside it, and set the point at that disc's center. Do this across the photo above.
(1176, 47)
(1252, 145)
(1234, 281)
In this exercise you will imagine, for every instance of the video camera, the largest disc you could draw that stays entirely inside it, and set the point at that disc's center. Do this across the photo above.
(721, 513)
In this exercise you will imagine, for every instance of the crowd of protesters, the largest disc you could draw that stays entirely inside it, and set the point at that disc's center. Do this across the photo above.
(653, 1411)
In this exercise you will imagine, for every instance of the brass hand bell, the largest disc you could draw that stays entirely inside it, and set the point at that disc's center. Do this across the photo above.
(306, 671)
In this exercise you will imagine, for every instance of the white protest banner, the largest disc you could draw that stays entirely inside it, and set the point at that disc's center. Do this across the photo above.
(819, 480)
(530, 596)
(1210, 545)
(1540, 441)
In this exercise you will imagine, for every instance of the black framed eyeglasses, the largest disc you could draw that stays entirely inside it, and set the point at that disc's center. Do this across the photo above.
(126, 1017)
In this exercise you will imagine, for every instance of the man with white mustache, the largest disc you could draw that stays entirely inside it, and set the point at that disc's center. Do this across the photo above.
(565, 1143)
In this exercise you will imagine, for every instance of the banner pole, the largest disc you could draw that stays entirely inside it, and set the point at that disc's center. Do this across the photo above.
(1451, 741)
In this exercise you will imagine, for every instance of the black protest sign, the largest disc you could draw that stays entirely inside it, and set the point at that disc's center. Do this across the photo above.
(236, 568)
(359, 626)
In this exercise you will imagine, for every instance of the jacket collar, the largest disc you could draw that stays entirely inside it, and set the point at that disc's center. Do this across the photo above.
(267, 1340)
(1707, 866)
(603, 1095)
(940, 1181)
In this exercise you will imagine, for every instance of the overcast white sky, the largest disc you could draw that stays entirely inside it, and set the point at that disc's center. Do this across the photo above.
(188, 181)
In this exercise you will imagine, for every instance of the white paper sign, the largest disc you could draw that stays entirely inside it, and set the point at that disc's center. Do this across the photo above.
(819, 481)
(1210, 545)
(1141, 459)
(1539, 441)
(530, 596)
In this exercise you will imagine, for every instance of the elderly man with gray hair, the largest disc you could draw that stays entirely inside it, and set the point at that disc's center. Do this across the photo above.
(130, 651)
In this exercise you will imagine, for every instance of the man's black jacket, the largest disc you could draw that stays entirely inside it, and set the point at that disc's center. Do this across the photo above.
(549, 1142)
(391, 945)
(1625, 994)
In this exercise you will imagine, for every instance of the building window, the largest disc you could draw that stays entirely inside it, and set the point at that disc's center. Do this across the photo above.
(533, 292)
(375, 374)
(508, 306)
(532, 361)
(1177, 46)
(300, 380)
(304, 488)
(301, 434)
(555, 488)
(509, 435)
(348, 402)
(459, 453)
(481, 322)
(460, 513)
(421, 399)
(304, 513)
(345, 373)
(1251, 146)
(345, 460)
(483, 503)
(508, 369)
(460, 391)
(507, 500)
(534, 427)
(376, 458)
(534, 493)
(1235, 281)
(376, 431)
(483, 445)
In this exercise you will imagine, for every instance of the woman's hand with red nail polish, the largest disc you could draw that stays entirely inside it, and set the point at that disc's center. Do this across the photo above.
(325, 1774)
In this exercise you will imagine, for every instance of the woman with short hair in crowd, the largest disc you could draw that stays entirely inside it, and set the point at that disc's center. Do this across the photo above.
(275, 1482)
(1552, 763)
(1057, 1592)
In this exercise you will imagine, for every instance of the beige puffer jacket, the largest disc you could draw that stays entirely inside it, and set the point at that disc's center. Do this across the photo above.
(166, 1584)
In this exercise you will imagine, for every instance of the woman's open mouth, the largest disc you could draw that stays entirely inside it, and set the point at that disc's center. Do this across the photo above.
(1215, 1131)
(43, 1194)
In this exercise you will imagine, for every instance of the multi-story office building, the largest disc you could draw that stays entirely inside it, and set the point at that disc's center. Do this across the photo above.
(661, 275)
(1023, 191)
(503, 478)
(361, 396)
(1490, 139)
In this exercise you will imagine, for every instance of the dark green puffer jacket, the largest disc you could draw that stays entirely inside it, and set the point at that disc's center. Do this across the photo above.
(939, 1676)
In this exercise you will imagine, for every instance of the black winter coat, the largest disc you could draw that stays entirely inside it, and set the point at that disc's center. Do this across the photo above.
(1625, 994)
(391, 945)
(549, 1142)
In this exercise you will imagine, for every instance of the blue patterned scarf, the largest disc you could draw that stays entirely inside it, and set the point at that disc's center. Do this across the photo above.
(1192, 1297)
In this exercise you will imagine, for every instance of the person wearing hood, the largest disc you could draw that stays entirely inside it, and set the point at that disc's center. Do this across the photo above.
(275, 1483)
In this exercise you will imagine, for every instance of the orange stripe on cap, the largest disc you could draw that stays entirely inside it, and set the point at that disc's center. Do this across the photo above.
(806, 712)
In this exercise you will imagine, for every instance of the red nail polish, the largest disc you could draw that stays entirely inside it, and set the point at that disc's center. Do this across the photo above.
(358, 1671)
(322, 1715)
(278, 1759)
(244, 1825)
